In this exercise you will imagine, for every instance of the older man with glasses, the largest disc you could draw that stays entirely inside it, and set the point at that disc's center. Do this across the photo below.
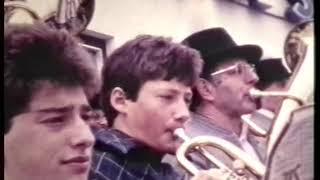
(221, 95)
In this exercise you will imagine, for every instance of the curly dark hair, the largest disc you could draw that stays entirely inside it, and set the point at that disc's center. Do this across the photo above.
(35, 53)
(147, 58)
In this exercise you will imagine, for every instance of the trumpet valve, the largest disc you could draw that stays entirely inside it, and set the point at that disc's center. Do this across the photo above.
(239, 167)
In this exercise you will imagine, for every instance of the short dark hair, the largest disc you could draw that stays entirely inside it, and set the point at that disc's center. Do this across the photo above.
(147, 58)
(36, 53)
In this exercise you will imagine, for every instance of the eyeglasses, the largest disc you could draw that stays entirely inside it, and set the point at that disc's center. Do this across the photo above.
(239, 68)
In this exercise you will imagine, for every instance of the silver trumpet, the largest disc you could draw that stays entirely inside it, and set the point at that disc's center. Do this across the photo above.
(242, 159)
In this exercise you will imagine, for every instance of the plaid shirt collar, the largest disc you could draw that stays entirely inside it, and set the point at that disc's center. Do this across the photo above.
(123, 144)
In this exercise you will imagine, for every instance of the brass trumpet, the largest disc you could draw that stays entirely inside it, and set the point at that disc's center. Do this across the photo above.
(11, 7)
(257, 93)
(72, 15)
(197, 143)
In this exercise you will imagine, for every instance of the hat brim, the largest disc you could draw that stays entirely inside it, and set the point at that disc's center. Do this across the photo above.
(250, 53)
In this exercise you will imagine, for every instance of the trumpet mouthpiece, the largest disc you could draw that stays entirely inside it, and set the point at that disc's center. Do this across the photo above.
(179, 132)
(255, 92)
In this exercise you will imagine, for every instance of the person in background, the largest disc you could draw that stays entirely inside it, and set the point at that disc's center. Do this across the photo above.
(145, 94)
(48, 81)
(273, 76)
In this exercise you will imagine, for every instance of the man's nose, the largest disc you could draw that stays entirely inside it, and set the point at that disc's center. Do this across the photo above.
(251, 78)
(82, 136)
(182, 113)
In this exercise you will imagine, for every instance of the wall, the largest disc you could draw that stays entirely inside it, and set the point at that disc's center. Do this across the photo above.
(124, 19)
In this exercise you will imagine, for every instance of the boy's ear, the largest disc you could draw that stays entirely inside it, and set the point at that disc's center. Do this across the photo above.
(205, 89)
(118, 99)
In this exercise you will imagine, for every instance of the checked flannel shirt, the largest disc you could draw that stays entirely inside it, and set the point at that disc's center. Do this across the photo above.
(120, 157)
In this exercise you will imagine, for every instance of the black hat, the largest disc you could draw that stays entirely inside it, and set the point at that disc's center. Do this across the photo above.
(271, 70)
(216, 46)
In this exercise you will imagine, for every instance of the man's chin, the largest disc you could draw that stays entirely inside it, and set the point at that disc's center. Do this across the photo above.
(249, 108)
(173, 148)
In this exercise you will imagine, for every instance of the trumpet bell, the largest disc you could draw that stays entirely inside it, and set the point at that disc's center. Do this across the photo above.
(254, 166)
(199, 143)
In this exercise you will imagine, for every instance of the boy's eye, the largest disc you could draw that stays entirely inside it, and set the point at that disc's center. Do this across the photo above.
(92, 115)
(167, 97)
(188, 101)
(58, 120)
(87, 116)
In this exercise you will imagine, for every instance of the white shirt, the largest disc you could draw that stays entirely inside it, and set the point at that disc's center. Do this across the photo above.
(247, 147)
